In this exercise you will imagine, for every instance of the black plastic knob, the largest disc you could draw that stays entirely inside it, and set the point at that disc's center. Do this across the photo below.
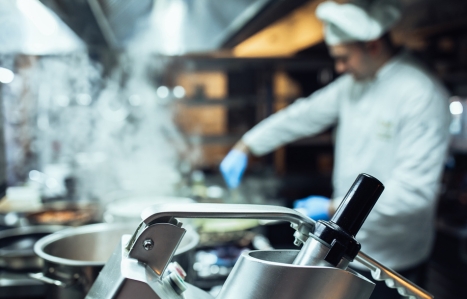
(339, 233)
(357, 204)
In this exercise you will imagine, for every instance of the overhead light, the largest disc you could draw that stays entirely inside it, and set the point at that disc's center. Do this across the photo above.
(168, 18)
(62, 100)
(39, 15)
(83, 99)
(6, 76)
(135, 100)
(179, 92)
(162, 92)
(456, 108)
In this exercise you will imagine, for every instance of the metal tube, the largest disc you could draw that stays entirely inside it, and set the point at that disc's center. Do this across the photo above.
(224, 211)
(393, 280)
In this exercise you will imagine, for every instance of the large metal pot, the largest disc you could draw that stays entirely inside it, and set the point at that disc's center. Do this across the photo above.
(74, 257)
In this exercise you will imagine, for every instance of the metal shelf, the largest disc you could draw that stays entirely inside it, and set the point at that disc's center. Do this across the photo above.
(238, 101)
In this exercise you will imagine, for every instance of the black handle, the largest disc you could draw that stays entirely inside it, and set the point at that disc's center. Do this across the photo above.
(357, 204)
(339, 233)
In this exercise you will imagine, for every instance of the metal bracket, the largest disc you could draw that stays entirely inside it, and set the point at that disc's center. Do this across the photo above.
(155, 245)
(302, 233)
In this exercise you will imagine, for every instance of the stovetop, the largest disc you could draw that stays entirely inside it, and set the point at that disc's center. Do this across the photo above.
(15, 285)
(18, 285)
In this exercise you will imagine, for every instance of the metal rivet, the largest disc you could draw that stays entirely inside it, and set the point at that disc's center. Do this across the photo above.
(148, 244)
(51, 270)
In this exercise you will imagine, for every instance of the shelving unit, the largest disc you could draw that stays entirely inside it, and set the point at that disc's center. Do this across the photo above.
(227, 96)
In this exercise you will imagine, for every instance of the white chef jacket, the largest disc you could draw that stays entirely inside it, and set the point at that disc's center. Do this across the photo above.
(393, 127)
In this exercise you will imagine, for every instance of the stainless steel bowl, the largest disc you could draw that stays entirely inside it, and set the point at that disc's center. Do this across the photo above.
(74, 257)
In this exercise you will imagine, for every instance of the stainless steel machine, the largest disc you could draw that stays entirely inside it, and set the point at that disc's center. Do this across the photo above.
(137, 268)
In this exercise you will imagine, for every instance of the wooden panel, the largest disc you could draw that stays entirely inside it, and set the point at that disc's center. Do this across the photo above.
(211, 85)
(212, 154)
(203, 120)
(285, 89)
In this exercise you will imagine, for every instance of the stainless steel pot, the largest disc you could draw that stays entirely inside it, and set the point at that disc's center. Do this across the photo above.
(17, 247)
(74, 257)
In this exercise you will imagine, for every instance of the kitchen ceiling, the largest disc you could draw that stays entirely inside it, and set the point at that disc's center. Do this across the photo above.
(241, 27)
(173, 26)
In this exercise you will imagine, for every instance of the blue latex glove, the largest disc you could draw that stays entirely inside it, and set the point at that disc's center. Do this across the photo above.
(315, 207)
(233, 166)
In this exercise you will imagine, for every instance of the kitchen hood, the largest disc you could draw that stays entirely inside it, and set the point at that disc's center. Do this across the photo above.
(28, 27)
(171, 27)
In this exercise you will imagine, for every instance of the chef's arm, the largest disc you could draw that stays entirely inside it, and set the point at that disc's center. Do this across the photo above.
(303, 118)
(241, 146)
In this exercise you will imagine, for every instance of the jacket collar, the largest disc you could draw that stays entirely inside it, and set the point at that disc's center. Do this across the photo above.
(389, 66)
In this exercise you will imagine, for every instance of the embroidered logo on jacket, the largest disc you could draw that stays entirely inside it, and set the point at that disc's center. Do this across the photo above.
(385, 130)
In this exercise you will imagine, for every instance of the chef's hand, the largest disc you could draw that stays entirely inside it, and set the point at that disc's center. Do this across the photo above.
(233, 166)
(315, 207)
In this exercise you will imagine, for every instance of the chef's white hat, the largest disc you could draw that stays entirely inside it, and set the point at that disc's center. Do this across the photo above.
(357, 21)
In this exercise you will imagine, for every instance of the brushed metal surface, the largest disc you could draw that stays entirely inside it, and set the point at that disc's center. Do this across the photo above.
(224, 211)
(165, 239)
(392, 279)
(271, 275)
(313, 253)
(124, 278)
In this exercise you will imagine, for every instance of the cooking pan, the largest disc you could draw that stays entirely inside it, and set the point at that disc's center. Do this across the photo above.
(65, 213)
(17, 247)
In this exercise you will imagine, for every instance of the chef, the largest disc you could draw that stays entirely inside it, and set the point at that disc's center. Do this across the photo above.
(391, 117)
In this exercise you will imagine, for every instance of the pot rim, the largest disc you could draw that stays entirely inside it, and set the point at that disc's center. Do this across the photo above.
(9, 256)
(91, 228)
(32, 229)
